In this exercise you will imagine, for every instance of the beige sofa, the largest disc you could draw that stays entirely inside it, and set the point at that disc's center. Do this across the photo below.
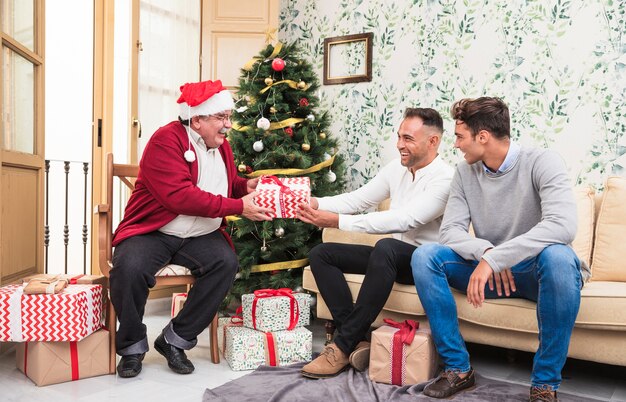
(600, 331)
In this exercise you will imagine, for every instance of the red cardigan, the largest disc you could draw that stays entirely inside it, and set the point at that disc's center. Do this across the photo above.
(166, 186)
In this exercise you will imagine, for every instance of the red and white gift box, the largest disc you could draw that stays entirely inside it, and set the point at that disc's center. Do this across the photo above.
(283, 195)
(70, 315)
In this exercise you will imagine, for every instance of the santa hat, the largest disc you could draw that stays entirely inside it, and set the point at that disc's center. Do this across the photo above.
(204, 98)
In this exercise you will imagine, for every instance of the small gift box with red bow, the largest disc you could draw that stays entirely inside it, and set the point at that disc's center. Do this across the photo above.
(246, 349)
(402, 354)
(178, 299)
(275, 309)
(283, 195)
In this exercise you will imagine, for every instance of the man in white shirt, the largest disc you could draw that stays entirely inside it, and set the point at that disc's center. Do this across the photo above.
(418, 184)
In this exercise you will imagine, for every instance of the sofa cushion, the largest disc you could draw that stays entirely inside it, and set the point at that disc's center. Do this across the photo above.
(608, 262)
(585, 203)
(603, 306)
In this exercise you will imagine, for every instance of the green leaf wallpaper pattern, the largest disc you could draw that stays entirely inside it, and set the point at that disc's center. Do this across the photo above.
(559, 64)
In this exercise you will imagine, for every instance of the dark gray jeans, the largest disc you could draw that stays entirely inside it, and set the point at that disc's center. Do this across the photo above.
(388, 262)
(137, 259)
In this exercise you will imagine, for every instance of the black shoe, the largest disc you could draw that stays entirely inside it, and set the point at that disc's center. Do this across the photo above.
(176, 358)
(449, 383)
(130, 365)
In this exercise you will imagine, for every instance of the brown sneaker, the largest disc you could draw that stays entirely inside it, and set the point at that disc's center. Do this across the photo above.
(543, 394)
(360, 357)
(331, 362)
(449, 383)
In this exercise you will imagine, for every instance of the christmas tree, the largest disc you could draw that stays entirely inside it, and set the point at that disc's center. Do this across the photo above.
(278, 130)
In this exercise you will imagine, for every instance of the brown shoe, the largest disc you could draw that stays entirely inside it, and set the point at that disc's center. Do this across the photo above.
(360, 357)
(543, 394)
(449, 383)
(331, 362)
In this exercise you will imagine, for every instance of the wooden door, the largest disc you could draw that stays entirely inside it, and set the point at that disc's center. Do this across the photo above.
(232, 33)
(22, 138)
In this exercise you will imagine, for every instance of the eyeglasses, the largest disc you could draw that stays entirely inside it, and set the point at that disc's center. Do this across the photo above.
(221, 117)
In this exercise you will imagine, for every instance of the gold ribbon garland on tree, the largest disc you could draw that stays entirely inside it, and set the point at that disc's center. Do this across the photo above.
(285, 172)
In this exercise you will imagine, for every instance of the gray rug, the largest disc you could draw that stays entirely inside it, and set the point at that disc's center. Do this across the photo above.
(285, 384)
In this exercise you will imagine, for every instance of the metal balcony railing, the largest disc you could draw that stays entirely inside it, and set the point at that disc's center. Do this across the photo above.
(66, 228)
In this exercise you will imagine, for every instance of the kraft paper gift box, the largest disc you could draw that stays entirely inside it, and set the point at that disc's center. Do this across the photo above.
(79, 279)
(178, 299)
(48, 363)
(246, 349)
(275, 309)
(282, 195)
(70, 315)
(402, 356)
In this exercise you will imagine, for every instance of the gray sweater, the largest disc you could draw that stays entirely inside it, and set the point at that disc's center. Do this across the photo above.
(517, 213)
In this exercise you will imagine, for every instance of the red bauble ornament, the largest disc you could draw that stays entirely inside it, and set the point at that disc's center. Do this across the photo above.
(249, 169)
(278, 64)
(304, 102)
(289, 131)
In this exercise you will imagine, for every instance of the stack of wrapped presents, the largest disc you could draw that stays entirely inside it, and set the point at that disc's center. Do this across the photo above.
(269, 331)
(57, 323)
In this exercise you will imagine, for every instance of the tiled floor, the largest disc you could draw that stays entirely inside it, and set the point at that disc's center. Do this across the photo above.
(158, 383)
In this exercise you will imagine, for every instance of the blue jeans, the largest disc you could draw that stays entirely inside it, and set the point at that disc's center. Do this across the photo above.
(552, 279)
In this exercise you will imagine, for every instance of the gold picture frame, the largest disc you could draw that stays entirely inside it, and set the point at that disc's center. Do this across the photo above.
(348, 58)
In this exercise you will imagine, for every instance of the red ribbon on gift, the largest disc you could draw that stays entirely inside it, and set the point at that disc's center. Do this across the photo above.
(74, 280)
(403, 336)
(271, 349)
(275, 180)
(73, 360)
(294, 309)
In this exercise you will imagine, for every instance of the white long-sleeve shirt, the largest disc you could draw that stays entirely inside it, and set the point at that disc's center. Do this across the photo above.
(417, 203)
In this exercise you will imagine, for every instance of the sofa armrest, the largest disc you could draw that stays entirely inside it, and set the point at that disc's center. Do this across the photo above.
(332, 235)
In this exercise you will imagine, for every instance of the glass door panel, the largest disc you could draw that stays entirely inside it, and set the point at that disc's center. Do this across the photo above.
(18, 21)
(18, 103)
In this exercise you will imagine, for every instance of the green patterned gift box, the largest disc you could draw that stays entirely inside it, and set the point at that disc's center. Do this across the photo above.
(247, 349)
(275, 309)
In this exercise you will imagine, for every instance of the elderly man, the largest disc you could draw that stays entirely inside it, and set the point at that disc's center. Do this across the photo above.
(418, 184)
(187, 184)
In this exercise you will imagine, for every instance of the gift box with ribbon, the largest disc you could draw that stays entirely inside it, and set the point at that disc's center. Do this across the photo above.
(48, 363)
(401, 354)
(246, 349)
(275, 309)
(283, 195)
(69, 315)
(178, 299)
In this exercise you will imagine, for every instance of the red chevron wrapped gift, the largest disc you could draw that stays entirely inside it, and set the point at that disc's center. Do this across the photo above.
(70, 315)
(283, 195)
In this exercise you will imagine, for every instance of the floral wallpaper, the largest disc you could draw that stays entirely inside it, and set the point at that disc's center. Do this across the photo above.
(559, 64)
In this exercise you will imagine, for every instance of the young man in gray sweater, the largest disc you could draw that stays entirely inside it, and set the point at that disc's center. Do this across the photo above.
(522, 209)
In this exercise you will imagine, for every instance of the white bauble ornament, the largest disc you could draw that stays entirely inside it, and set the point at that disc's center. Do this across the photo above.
(263, 249)
(310, 117)
(279, 232)
(263, 123)
(331, 176)
(326, 156)
(258, 146)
